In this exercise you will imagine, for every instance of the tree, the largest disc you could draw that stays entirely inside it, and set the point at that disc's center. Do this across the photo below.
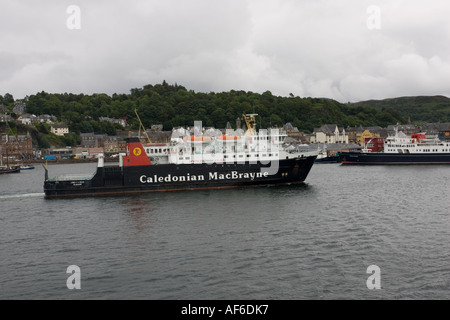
(8, 99)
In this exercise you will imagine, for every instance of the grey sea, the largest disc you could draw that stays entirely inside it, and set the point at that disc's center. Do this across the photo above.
(353, 233)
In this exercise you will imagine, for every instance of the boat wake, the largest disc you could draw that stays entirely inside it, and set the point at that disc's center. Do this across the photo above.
(22, 195)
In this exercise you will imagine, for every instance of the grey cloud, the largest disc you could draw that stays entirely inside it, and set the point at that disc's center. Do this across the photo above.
(309, 48)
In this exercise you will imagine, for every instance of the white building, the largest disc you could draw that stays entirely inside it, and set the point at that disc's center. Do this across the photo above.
(329, 133)
(59, 130)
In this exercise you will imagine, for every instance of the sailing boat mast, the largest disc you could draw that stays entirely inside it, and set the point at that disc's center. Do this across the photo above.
(8, 169)
(7, 152)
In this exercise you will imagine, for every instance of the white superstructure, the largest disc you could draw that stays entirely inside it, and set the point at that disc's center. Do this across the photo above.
(212, 146)
(418, 143)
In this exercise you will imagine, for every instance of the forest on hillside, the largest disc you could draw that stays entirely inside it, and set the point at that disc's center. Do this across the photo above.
(419, 110)
(174, 106)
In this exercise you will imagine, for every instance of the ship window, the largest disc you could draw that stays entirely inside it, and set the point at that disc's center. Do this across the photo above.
(240, 156)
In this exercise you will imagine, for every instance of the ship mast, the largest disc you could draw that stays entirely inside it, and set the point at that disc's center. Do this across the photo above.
(141, 126)
(6, 145)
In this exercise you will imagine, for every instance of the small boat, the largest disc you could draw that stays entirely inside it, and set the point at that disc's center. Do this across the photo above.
(8, 169)
(26, 167)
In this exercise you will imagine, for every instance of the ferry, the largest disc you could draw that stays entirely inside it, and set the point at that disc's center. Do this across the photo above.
(400, 149)
(206, 159)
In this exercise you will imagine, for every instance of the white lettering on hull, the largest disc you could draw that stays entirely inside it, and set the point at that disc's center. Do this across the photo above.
(233, 175)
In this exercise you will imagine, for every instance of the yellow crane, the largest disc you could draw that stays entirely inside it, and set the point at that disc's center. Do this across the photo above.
(250, 123)
(141, 126)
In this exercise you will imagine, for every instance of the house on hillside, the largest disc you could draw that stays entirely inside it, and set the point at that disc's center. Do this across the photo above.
(19, 107)
(59, 130)
(26, 118)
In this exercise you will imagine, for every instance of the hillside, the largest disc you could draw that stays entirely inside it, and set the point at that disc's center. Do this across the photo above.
(420, 109)
(174, 105)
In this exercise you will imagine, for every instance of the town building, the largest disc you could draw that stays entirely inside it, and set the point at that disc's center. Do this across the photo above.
(19, 107)
(329, 133)
(122, 121)
(111, 145)
(5, 117)
(407, 129)
(16, 147)
(366, 134)
(59, 130)
(26, 118)
(92, 140)
(374, 144)
(435, 128)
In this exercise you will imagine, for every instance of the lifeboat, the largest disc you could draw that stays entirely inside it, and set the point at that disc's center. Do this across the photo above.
(224, 137)
(199, 138)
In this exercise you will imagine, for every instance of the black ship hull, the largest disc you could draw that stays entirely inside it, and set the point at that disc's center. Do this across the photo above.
(331, 159)
(9, 170)
(356, 158)
(114, 180)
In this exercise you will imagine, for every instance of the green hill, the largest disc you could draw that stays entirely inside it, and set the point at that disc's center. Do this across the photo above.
(420, 109)
(174, 105)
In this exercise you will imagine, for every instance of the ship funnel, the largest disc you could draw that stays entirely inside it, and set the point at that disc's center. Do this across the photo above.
(136, 155)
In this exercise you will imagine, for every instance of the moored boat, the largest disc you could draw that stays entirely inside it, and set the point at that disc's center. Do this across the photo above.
(399, 149)
(9, 169)
(194, 162)
(26, 167)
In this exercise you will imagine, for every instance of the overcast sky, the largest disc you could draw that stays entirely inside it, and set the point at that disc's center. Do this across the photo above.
(348, 50)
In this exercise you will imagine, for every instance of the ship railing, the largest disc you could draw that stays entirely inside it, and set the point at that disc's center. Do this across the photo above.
(72, 177)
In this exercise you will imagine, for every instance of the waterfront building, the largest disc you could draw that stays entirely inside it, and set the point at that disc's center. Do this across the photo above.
(329, 133)
(363, 137)
(111, 145)
(16, 147)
